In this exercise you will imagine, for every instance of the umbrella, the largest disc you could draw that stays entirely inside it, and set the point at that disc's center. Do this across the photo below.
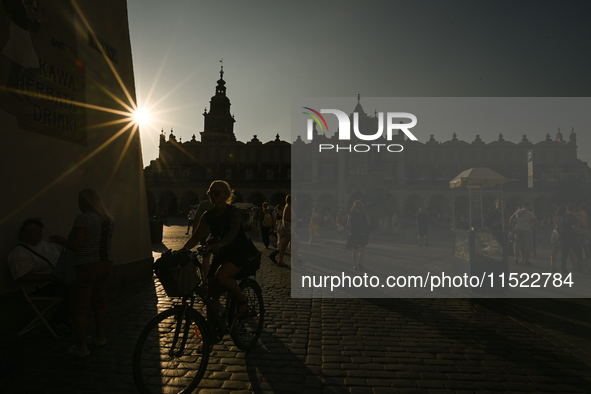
(243, 205)
(478, 178)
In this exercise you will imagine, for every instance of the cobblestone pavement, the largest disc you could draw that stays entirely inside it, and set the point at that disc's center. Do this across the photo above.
(338, 345)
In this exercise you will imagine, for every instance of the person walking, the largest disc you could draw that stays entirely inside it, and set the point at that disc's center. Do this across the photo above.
(288, 233)
(568, 227)
(359, 226)
(253, 223)
(314, 227)
(339, 221)
(555, 239)
(191, 216)
(266, 222)
(277, 228)
(524, 220)
(423, 226)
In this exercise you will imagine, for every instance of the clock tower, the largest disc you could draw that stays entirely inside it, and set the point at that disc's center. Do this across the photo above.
(218, 123)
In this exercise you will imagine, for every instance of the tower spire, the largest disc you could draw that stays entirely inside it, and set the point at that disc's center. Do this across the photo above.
(219, 122)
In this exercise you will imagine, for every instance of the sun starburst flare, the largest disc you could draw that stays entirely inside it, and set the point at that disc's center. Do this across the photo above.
(141, 116)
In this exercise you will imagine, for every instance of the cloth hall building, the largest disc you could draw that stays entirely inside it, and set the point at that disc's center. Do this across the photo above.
(397, 183)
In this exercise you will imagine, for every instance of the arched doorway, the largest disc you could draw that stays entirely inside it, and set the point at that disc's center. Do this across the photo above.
(168, 204)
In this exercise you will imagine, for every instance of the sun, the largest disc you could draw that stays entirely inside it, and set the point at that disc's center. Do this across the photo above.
(141, 116)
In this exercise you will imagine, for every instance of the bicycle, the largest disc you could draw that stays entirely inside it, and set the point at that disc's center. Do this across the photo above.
(172, 351)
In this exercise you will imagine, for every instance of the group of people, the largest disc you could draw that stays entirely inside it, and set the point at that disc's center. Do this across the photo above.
(275, 229)
(569, 234)
(34, 261)
(356, 223)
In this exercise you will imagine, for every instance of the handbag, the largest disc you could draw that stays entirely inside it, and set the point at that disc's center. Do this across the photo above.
(64, 268)
(177, 273)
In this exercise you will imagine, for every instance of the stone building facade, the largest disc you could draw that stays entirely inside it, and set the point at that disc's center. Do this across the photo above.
(419, 176)
(389, 183)
(180, 176)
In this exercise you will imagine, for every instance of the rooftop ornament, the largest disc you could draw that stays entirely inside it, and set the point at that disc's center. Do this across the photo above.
(559, 136)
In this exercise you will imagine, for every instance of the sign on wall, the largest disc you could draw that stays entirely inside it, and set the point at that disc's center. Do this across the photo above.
(42, 80)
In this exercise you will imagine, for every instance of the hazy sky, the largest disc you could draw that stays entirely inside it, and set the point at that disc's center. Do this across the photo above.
(276, 51)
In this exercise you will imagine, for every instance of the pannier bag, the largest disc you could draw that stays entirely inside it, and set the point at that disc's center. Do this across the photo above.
(177, 273)
(254, 259)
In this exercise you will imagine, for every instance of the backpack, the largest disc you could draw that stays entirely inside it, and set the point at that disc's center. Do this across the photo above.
(268, 220)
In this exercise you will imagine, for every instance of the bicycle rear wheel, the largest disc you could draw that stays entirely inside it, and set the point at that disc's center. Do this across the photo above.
(171, 353)
(246, 332)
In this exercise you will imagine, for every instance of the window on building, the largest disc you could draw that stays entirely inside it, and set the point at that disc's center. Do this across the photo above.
(582, 176)
(228, 173)
(269, 174)
(425, 174)
(208, 173)
(446, 175)
(248, 174)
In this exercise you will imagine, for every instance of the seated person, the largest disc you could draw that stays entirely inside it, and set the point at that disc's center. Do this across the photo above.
(33, 262)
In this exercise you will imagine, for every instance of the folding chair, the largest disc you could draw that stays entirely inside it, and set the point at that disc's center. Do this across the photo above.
(36, 303)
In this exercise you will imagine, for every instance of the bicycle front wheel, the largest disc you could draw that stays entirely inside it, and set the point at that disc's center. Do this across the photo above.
(172, 352)
(246, 332)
